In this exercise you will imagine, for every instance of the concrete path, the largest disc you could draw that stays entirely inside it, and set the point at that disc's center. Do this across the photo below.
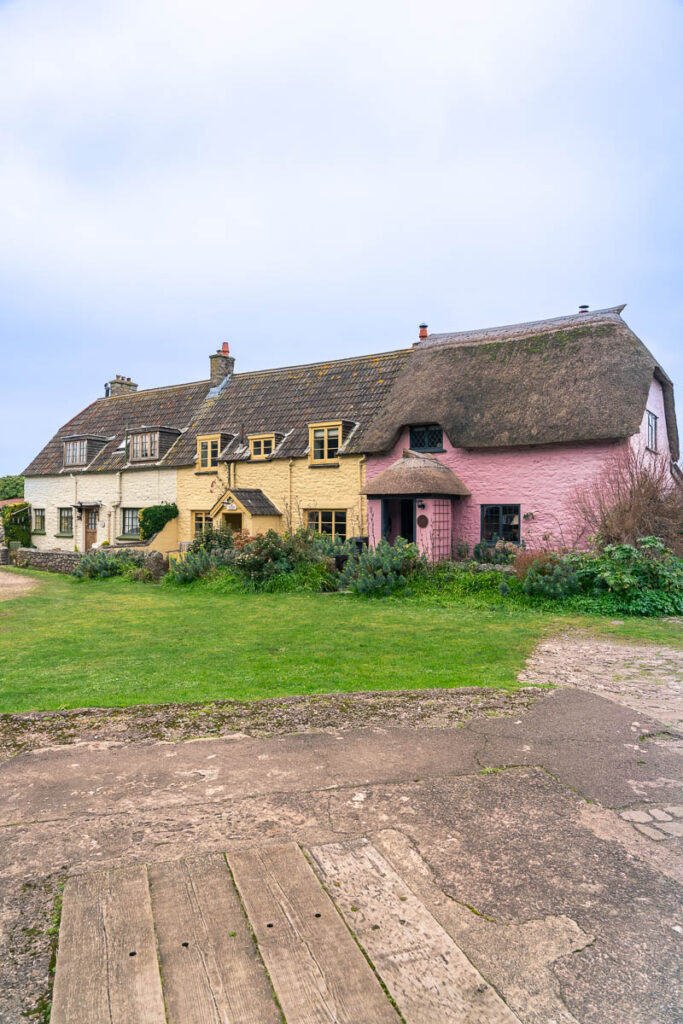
(543, 844)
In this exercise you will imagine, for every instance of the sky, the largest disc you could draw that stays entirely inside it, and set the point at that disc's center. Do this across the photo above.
(312, 180)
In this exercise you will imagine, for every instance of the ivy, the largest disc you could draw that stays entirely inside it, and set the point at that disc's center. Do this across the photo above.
(16, 523)
(155, 517)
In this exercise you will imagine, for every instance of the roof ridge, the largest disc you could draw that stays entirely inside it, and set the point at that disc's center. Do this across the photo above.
(145, 391)
(324, 362)
(506, 331)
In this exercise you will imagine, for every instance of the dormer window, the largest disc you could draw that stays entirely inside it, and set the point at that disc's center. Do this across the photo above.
(261, 445)
(427, 438)
(324, 441)
(75, 453)
(144, 446)
(208, 450)
(651, 431)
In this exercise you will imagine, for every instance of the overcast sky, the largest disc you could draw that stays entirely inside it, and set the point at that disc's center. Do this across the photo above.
(310, 180)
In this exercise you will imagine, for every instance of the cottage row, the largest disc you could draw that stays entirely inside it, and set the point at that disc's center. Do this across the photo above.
(458, 439)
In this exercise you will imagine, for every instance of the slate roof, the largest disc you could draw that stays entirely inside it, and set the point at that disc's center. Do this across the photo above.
(579, 378)
(286, 400)
(416, 473)
(110, 417)
(255, 501)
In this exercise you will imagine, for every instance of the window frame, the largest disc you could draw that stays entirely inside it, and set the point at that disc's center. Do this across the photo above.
(200, 515)
(501, 526)
(66, 513)
(425, 447)
(135, 441)
(76, 452)
(335, 514)
(651, 439)
(125, 514)
(39, 517)
(257, 445)
(208, 464)
(325, 428)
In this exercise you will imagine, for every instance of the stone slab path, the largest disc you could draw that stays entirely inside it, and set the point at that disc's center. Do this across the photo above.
(210, 941)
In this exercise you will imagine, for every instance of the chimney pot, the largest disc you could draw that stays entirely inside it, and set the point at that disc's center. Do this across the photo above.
(583, 309)
(423, 331)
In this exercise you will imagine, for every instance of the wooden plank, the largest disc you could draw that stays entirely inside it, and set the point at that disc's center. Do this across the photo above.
(318, 972)
(211, 970)
(427, 974)
(107, 967)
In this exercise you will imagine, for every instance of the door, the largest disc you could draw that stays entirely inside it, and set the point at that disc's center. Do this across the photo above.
(232, 521)
(408, 519)
(90, 527)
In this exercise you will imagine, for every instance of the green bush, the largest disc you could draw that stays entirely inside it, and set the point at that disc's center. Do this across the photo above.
(384, 569)
(196, 564)
(644, 578)
(99, 564)
(11, 487)
(500, 552)
(16, 523)
(154, 518)
(554, 578)
(212, 540)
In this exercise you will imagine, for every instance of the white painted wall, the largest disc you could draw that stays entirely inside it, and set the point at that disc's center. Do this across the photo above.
(136, 488)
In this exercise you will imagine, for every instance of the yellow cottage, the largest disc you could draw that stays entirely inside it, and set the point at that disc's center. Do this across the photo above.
(279, 449)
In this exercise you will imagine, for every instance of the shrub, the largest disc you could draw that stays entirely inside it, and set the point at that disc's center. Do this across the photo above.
(633, 497)
(16, 523)
(384, 569)
(154, 518)
(212, 540)
(11, 487)
(99, 564)
(501, 552)
(645, 578)
(196, 564)
(551, 577)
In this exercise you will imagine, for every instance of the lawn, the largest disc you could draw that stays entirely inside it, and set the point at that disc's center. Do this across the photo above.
(111, 643)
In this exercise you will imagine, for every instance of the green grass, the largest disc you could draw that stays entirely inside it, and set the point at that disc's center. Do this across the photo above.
(113, 643)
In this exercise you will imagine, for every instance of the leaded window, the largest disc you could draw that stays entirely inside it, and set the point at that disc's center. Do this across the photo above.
(66, 520)
(144, 446)
(500, 522)
(426, 438)
(75, 453)
(332, 521)
(131, 522)
(651, 431)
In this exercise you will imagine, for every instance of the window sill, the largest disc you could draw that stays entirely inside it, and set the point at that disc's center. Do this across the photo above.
(129, 536)
(64, 535)
(430, 451)
(206, 472)
(40, 533)
(324, 465)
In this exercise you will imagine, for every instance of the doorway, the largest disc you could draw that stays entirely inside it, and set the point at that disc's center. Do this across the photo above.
(398, 519)
(91, 515)
(408, 519)
(232, 521)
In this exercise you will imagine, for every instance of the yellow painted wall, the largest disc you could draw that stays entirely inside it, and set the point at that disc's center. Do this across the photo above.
(293, 485)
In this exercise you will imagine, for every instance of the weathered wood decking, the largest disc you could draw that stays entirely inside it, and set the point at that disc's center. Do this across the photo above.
(257, 936)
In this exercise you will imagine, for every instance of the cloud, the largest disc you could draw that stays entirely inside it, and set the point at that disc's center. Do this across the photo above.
(170, 169)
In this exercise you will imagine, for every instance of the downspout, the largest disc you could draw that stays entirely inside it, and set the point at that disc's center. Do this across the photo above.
(291, 496)
(116, 506)
(361, 473)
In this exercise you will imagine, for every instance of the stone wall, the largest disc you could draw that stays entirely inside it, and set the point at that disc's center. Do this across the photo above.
(48, 561)
(4, 556)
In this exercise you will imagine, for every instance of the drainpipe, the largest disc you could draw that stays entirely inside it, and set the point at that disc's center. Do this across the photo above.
(361, 474)
(291, 496)
(115, 507)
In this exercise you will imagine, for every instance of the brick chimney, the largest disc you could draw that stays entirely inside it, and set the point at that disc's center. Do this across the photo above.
(221, 364)
(119, 386)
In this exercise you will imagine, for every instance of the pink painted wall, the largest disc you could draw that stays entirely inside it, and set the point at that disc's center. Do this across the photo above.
(541, 480)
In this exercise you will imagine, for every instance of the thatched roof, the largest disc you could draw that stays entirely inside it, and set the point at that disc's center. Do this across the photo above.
(579, 378)
(415, 473)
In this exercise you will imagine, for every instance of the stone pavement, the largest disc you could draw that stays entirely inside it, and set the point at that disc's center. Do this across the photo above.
(512, 830)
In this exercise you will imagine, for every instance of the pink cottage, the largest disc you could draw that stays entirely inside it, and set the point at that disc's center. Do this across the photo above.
(489, 433)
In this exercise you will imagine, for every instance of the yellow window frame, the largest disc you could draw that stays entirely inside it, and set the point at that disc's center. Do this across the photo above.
(258, 443)
(319, 437)
(201, 522)
(335, 518)
(208, 450)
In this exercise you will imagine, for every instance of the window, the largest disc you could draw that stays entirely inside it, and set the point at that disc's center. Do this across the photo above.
(261, 445)
(500, 522)
(426, 439)
(39, 520)
(324, 440)
(144, 446)
(201, 522)
(75, 453)
(131, 522)
(208, 450)
(328, 521)
(66, 521)
(651, 431)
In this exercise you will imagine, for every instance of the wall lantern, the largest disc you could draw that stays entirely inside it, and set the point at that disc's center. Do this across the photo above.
(420, 504)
